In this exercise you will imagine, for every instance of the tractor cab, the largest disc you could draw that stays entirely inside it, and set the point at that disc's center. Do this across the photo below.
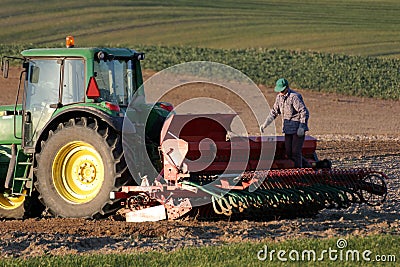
(60, 79)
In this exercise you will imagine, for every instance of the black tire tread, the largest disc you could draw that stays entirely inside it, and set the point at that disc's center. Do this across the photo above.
(112, 138)
(17, 213)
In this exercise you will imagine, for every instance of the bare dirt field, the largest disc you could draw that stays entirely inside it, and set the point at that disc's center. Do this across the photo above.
(353, 132)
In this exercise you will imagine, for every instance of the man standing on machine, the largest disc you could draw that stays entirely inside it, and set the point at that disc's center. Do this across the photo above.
(295, 116)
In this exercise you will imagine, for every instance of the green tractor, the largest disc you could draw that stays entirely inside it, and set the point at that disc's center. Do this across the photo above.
(61, 143)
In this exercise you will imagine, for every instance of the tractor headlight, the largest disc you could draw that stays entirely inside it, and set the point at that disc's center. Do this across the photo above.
(139, 56)
(101, 55)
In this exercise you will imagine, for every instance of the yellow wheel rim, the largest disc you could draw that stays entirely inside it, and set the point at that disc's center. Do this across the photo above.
(78, 172)
(10, 203)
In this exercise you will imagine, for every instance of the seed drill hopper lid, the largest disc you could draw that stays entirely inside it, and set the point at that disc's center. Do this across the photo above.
(194, 127)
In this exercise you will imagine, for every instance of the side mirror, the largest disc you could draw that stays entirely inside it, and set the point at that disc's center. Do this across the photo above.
(34, 76)
(5, 65)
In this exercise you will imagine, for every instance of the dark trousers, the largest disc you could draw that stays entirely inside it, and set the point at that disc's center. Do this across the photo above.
(293, 146)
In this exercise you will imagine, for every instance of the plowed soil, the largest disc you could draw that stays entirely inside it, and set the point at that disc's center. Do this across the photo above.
(353, 132)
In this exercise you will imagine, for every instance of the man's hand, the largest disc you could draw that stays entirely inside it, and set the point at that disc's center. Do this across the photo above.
(267, 122)
(300, 132)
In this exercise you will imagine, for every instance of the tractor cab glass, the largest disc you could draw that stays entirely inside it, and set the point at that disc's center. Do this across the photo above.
(74, 87)
(115, 80)
(43, 89)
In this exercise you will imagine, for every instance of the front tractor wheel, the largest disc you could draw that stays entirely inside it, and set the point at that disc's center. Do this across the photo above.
(77, 168)
(12, 207)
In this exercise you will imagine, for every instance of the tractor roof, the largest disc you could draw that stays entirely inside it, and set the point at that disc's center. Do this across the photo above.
(77, 52)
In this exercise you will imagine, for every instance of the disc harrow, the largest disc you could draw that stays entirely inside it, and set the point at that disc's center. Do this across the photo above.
(298, 191)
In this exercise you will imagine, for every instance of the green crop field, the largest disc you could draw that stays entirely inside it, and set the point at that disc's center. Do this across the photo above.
(351, 75)
(357, 27)
(381, 250)
(350, 47)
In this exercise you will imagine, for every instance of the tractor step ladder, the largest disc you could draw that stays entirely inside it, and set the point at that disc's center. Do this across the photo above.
(27, 175)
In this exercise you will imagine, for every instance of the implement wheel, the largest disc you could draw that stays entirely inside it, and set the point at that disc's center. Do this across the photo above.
(77, 168)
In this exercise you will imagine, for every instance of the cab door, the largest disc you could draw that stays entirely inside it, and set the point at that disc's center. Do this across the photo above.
(41, 93)
(51, 84)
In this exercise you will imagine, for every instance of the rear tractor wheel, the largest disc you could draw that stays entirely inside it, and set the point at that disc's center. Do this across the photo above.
(79, 165)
